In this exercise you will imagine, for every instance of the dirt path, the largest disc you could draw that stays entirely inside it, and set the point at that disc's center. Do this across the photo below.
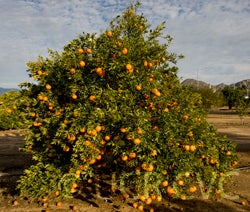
(237, 190)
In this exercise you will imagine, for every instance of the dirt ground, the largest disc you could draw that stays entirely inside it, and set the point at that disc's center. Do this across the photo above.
(237, 190)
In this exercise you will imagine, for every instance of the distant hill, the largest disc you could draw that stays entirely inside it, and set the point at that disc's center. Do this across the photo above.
(201, 84)
(4, 90)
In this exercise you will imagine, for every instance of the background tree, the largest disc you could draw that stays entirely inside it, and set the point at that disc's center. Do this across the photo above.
(10, 117)
(231, 94)
(112, 105)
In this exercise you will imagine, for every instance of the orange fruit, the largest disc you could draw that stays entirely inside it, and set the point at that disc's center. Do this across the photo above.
(140, 208)
(187, 174)
(123, 130)
(153, 153)
(138, 87)
(88, 50)
(57, 193)
(192, 148)
(100, 72)
(192, 189)
(135, 205)
(92, 98)
(137, 141)
(109, 33)
(125, 158)
(142, 197)
(48, 86)
(166, 110)
(78, 172)
(124, 51)
(129, 66)
(82, 64)
(148, 201)
(74, 96)
(107, 138)
(185, 117)
(72, 70)
(164, 183)
(74, 185)
(150, 167)
(180, 182)
(150, 65)
(59, 204)
(158, 198)
(82, 130)
(132, 155)
(98, 128)
(80, 50)
(9, 111)
(217, 191)
(145, 63)
(66, 149)
(170, 190)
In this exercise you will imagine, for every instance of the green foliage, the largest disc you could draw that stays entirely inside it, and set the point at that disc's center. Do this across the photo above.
(10, 117)
(210, 98)
(112, 104)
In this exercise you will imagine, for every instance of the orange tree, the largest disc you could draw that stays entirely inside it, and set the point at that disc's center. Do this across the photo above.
(112, 104)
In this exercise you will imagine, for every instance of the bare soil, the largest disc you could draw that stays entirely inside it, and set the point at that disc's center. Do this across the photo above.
(236, 191)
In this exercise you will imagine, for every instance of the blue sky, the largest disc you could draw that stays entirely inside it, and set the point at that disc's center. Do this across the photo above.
(214, 35)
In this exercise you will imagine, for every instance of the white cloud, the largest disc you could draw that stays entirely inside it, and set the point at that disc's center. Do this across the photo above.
(212, 34)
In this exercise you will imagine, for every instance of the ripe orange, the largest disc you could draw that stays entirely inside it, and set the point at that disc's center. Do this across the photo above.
(109, 33)
(78, 172)
(150, 168)
(123, 130)
(132, 155)
(125, 158)
(72, 70)
(187, 174)
(192, 148)
(166, 110)
(145, 63)
(140, 208)
(158, 198)
(66, 149)
(80, 50)
(135, 205)
(74, 185)
(192, 189)
(139, 131)
(180, 182)
(164, 183)
(88, 50)
(129, 66)
(138, 87)
(150, 65)
(148, 201)
(9, 111)
(185, 117)
(217, 191)
(57, 193)
(74, 96)
(98, 128)
(137, 141)
(92, 98)
(82, 64)
(100, 72)
(107, 138)
(153, 153)
(48, 86)
(59, 204)
(142, 197)
(124, 51)
(170, 190)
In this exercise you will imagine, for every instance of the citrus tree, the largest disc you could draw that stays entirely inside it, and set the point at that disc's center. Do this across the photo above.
(10, 116)
(112, 105)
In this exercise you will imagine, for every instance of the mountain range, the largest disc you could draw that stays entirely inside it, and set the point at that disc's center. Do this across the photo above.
(202, 84)
(3, 90)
